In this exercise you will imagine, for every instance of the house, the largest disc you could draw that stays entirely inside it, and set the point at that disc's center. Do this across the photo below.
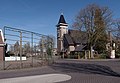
(1, 46)
(69, 41)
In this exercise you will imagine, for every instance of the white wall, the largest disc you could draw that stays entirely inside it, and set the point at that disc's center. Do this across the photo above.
(71, 48)
(63, 30)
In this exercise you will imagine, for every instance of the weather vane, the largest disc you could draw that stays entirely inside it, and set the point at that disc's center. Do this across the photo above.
(61, 12)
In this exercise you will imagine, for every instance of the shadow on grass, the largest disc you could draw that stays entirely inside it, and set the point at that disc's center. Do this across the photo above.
(85, 68)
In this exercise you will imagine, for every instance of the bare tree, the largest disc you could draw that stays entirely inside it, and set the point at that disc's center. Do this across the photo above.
(46, 44)
(16, 48)
(115, 31)
(26, 48)
(11, 48)
(42, 46)
(94, 20)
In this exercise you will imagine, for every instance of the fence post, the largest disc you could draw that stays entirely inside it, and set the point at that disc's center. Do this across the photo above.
(32, 49)
(21, 65)
(4, 50)
(43, 48)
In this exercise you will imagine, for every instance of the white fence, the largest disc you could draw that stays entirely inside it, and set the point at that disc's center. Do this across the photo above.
(11, 58)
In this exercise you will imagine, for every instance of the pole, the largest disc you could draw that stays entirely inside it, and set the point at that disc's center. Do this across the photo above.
(21, 50)
(42, 48)
(85, 55)
(52, 51)
(4, 57)
(4, 51)
(32, 49)
(91, 51)
(112, 50)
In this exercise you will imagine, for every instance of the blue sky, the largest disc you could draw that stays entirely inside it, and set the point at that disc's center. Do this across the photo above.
(41, 16)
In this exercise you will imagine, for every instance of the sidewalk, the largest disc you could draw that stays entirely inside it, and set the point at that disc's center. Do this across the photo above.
(46, 78)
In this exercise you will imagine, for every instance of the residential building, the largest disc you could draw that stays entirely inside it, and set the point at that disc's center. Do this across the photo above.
(1, 46)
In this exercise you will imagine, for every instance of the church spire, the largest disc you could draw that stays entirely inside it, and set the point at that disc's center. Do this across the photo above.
(62, 19)
(62, 29)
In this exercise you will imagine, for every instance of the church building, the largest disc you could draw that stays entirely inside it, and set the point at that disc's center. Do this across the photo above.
(69, 41)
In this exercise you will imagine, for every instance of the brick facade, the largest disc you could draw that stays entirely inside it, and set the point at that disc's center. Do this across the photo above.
(1, 53)
(1, 46)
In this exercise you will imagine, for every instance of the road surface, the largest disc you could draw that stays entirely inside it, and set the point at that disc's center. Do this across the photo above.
(75, 71)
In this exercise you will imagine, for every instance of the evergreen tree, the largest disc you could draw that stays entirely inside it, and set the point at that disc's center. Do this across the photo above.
(100, 32)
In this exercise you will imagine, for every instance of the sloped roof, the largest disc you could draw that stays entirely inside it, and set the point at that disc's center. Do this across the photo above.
(79, 37)
(69, 39)
(62, 19)
(80, 48)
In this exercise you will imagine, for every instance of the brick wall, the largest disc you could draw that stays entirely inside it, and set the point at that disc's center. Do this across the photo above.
(1, 45)
(1, 53)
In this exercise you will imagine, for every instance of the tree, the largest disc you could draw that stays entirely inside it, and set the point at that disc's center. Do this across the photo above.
(115, 30)
(11, 48)
(94, 20)
(16, 48)
(11, 51)
(99, 35)
(46, 44)
(50, 44)
(26, 48)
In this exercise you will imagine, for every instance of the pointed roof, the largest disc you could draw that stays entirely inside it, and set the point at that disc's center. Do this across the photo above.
(62, 20)
(1, 37)
(68, 39)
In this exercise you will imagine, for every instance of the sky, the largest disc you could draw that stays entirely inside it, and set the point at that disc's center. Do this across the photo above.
(41, 16)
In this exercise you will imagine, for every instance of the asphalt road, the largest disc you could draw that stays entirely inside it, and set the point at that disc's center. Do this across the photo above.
(81, 71)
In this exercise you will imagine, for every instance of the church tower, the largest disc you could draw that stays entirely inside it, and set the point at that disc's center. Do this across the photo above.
(62, 28)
